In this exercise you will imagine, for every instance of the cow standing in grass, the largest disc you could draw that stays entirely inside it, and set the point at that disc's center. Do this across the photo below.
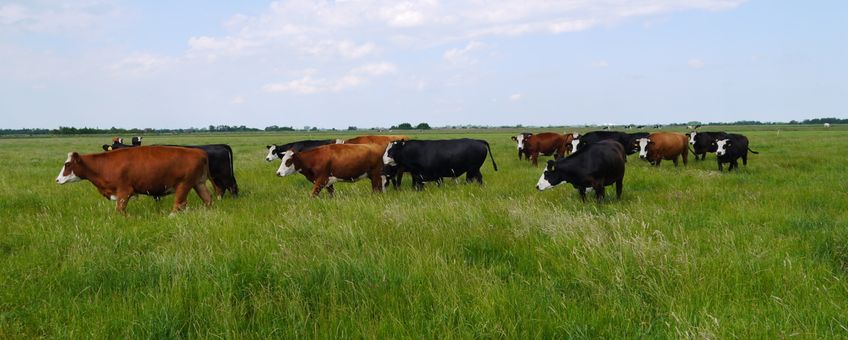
(663, 145)
(595, 166)
(328, 164)
(730, 149)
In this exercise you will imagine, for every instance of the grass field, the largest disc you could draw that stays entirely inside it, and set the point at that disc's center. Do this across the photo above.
(686, 252)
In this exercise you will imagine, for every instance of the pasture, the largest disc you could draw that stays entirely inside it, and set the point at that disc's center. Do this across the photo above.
(686, 252)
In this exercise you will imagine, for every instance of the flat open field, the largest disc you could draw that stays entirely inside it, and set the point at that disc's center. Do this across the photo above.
(688, 251)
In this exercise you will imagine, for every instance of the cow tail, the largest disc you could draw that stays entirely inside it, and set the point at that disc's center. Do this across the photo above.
(234, 190)
(492, 156)
(752, 151)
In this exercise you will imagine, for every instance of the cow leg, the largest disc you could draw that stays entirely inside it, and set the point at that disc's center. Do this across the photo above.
(233, 187)
(685, 156)
(675, 161)
(203, 191)
(657, 163)
(319, 184)
(180, 195)
(618, 186)
(396, 180)
(599, 193)
(745, 158)
(123, 199)
(417, 184)
(720, 168)
(534, 158)
(377, 182)
(331, 190)
(519, 154)
(733, 165)
(582, 192)
(219, 189)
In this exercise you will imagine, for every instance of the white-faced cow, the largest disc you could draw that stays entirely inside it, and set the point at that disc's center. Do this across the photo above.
(277, 151)
(703, 142)
(433, 160)
(546, 143)
(144, 170)
(625, 139)
(730, 149)
(663, 145)
(519, 140)
(595, 166)
(328, 164)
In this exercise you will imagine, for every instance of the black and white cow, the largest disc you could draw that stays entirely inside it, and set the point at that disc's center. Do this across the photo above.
(703, 142)
(221, 170)
(730, 149)
(433, 160)
(625, 139)
(595, 166)
(519, 139)
(277, 151)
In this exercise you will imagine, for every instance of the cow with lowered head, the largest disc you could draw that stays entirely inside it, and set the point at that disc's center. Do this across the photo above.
(150, 170)
(328, 164)
(730, 149)
(663, 145)
(595, 165)
(703, 142)
(433, 160)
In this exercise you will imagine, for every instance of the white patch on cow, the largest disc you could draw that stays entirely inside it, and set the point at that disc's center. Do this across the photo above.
(543, 184)
(70, 178)
(721, 147)
(332, 180)
(271, 155)
(286, 170)
(827, 125)
(386, 159)
(384, 179)
(575, 135)
(643, 147)
(520, 140)
(339, 141)
(574, 143)
(692, 137)
(113, 198)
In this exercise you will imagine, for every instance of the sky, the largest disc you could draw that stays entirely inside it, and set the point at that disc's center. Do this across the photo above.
(373, 63)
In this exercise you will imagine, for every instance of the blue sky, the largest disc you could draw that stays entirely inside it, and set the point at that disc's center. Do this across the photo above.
(103, 63)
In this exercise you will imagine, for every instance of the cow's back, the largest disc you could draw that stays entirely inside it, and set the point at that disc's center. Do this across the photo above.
(152, 168)
(455, 155)
(667, 144)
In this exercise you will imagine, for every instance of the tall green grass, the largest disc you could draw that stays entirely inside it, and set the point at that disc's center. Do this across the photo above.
(686, 252)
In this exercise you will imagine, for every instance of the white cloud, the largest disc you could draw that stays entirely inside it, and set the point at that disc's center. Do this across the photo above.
(695, 63)
(377, 69)
(462, 56)
(66, 18)
(140, 65)
(600, 64)
(353, 78)
(515, 97)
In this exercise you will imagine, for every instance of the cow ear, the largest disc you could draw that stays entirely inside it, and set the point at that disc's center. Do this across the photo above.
(551, 165)
(268, 147)
(75, 157)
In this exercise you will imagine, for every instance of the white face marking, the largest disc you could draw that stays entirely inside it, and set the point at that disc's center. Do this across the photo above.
(386, 159)
(543, 184)
(720, 150)
(339, 141)
(575, 135)
(70, 178)
(520, 140)
(643, 147)
(271, 155)
(113, 198)
(286, 170)
(692, 138)
(574, 143)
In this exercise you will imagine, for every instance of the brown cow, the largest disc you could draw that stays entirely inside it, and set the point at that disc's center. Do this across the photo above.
(663, 145)
(146, 170)
(546, 143)
(331, 163)
(380, 140)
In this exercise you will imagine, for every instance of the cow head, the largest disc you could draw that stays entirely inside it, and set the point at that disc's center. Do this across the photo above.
(643, 143)
(107, 147)
(340, 141)
(272, 152)
(722, 146)
(519, 139)
(287, 166)
(550, 178)
(574, 143)
(136, 141)
(117, 140)
(691, 136)
(67, 175)
(392, 152)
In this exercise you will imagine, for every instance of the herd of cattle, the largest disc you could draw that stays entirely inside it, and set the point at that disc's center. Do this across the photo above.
(589, 161)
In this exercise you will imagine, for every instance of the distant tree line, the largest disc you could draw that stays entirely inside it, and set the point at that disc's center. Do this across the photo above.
(407, 126)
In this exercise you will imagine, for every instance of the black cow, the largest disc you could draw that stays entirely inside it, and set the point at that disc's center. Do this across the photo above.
(276, 151)
(703, 142)
(595, 166)
(626, 139)
(730, 149)
(221, 170)
(432, 160)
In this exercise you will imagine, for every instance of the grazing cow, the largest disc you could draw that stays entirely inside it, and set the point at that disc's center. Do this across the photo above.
(663, 145)
(144, 170)
(519, 139)
(595, 166)
(433, 160)
(328, 164)
(277, 151)
(221, 170)
(730, 149)
(625, 139)
(703, 142)
(546, 143)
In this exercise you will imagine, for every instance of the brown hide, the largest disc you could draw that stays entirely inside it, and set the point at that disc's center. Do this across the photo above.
(344, 162)
(668, 146)
(546, 143)
(145, 170)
